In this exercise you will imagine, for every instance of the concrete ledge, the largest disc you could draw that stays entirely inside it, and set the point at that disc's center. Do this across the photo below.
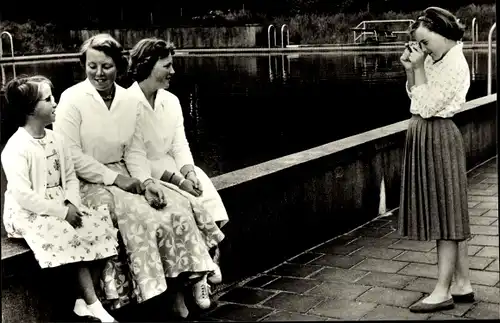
(13, 247)
(253, 172)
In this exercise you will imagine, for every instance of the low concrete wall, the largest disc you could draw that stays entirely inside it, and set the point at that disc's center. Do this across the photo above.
(285, 206)
(278, 208)
(187, 37)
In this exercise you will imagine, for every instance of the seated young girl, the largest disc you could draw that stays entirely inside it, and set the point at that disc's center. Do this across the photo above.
(42, 200)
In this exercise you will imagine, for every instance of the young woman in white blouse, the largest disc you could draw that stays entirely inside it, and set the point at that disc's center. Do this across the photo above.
(434, 180)
(163, 244)
(42, 200)
(162, 132)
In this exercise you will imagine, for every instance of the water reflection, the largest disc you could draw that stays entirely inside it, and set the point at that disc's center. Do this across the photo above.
(279, 68)
(241, 110)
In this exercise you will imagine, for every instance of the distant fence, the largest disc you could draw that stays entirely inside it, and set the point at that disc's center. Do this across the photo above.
(185, 37)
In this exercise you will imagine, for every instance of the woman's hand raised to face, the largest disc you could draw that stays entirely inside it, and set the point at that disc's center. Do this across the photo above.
(417, 56)
(405, 58)
(129, 184)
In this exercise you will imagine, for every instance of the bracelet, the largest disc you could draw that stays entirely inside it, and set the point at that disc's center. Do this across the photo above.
(171, 177)
(146, 182)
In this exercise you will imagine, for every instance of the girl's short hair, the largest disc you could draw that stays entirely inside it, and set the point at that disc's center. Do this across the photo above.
(108, 45)
(440, 21)
(144, 56)
(22, 94)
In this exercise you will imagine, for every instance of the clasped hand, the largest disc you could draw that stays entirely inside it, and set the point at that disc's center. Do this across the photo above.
(192, 185)
(153, 192)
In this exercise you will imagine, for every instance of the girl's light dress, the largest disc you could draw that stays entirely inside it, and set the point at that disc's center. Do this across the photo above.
(52, 239)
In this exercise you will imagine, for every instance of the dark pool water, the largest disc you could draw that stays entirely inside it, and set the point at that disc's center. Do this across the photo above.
(241, 110)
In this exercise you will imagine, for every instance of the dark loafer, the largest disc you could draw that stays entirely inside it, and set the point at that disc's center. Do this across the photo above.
(465, 298)
(82, 319)
(421, 307)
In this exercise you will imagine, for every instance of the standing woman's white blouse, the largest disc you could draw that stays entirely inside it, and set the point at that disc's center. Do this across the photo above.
(95, 134)
(448, 81)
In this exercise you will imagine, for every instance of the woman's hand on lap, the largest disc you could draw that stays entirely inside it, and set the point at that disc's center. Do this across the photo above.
(129, 184)
(74, 216)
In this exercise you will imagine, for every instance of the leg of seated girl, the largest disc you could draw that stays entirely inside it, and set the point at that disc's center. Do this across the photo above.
(89, 295)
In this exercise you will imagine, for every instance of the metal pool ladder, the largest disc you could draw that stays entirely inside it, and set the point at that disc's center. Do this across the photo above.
(11, 43)
(474, 31)
(1, 54)
(490, 41)
(283, 36)
(283, 27)
(269, 35)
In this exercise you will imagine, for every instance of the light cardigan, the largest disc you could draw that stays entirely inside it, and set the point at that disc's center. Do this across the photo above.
(161, 131)
(97, 135)
(25, 165)
(448, 82)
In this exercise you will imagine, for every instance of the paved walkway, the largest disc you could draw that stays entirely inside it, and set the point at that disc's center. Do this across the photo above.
(373, 274)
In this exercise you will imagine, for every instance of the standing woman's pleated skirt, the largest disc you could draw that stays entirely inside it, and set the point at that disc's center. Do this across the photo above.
(433, 203)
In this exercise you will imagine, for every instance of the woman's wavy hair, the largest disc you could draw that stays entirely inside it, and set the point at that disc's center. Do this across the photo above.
(109, 46)
(440, 21)
(144, 56)
(22, 95)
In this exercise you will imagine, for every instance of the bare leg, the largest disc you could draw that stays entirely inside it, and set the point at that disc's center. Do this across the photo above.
(96, 269)
(462, 284)
(88, 292)
(447, 257)
(86, 285)
(179, 306)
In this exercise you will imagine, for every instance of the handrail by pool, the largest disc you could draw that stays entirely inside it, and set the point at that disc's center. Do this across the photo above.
(1, 54)
(11, 43)
(473, 31)
(363, 23)
(490, 40)
(287, 36)
(269, 35)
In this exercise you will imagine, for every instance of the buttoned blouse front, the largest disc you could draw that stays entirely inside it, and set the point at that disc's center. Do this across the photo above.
(96, 135)
(25, 165)
(162, 128)
(448, 81)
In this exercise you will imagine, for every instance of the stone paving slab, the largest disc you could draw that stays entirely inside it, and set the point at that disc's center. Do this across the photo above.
(373, 274)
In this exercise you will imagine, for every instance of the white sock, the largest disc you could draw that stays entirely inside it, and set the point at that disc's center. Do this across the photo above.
(98, 311)
(81, 308)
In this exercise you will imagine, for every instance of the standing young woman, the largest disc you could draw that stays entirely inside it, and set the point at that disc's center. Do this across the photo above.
(434, 180)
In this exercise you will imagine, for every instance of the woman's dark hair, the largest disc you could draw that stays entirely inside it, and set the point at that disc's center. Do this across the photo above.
(144, 56)
(108, 45)
(22, 94)
(440, 21)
